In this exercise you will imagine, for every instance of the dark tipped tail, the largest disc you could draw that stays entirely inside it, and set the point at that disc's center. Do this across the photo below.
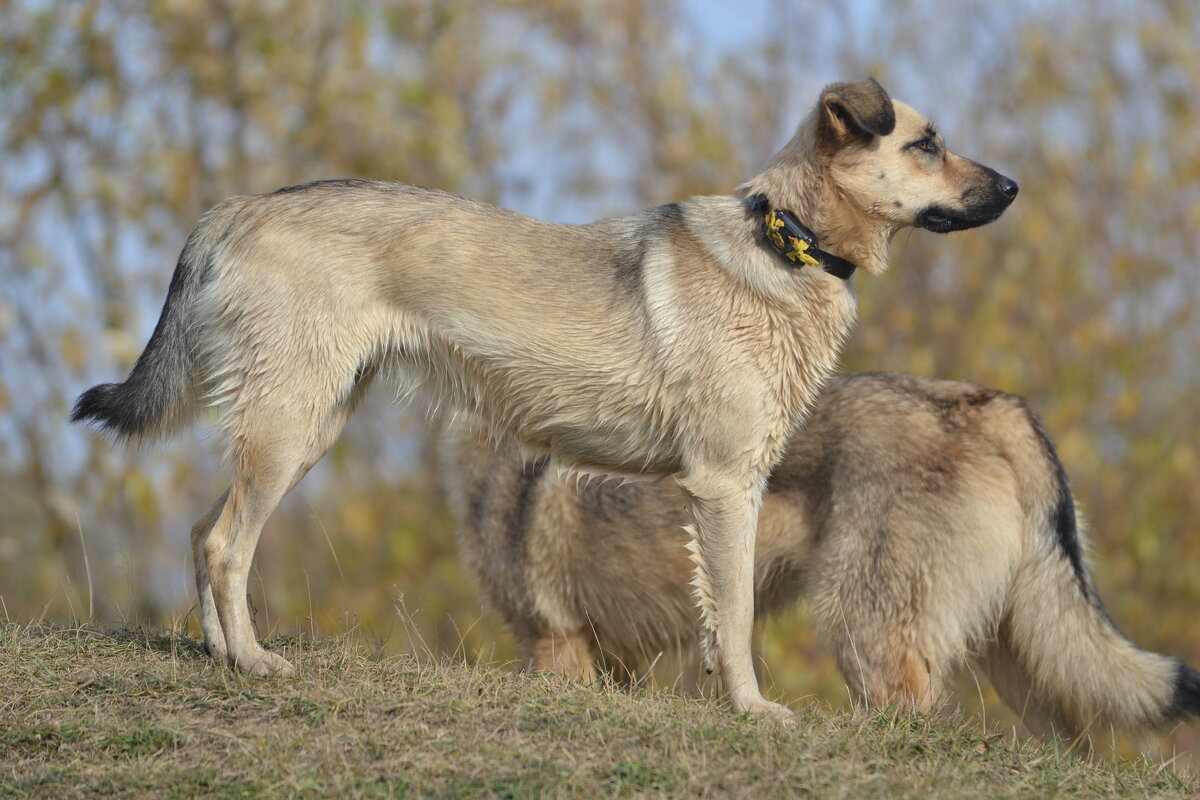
(1061, 656)
(112, 407)
(155, 395)
(1186, 700)
(160, 392)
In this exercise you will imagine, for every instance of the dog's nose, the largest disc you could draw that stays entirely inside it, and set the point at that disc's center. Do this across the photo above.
(1008, 187)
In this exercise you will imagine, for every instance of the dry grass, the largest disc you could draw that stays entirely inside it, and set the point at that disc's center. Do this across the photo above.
(87, 713)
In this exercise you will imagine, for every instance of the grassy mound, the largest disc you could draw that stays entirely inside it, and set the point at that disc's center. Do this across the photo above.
(86, 713)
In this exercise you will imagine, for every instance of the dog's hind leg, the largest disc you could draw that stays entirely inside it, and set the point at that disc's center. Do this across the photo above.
(210, 623)
(902, 676)
(724, 520)
(1019, 692)
(270, 457)
(263, 474)
(568, 654)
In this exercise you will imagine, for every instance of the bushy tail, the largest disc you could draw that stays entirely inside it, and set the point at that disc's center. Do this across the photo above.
(160, 392)
(1060, 660)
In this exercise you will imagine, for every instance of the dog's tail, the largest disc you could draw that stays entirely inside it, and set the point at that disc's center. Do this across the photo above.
(160, 393)
(1059, 659)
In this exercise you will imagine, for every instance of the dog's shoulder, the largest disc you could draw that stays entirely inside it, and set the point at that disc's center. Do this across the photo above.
(721, 227)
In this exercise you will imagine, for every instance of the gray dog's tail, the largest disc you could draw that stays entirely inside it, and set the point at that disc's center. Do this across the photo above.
(1058, 643)
(160, 393)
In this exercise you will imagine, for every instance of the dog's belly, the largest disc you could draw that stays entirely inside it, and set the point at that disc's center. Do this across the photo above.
(607, 449)
(584, 419)
(614, 434)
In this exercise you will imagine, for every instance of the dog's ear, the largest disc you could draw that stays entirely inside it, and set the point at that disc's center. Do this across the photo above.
(856, 111)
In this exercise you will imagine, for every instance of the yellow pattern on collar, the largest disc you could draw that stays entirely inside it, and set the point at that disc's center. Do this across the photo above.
(799, 252)
(796, 243)
(774, 223)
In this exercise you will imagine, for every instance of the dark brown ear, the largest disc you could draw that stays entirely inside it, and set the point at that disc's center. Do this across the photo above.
(856, 111)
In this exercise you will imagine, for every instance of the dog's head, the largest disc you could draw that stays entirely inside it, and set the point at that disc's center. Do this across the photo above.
(891, 163)
(862, 166)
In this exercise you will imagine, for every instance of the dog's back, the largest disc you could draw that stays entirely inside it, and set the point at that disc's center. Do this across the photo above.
(926, 521)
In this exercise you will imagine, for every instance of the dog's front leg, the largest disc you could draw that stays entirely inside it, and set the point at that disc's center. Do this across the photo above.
(724, 521)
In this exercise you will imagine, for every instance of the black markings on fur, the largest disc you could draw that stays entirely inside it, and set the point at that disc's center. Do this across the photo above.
(631, 262)
(523, 503)
(477, 504)
(1062, 516)
(628, 271)
(509, 501)
(671, 212)
(1185, 702)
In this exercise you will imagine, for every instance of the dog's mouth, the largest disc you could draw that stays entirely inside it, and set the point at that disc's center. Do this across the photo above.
(940, 219)
(983, 205)
(936, 219)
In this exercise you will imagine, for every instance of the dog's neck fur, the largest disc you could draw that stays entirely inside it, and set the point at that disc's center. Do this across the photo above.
(799, 179)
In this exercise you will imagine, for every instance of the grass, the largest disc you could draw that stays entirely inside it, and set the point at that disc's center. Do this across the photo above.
(87, 713)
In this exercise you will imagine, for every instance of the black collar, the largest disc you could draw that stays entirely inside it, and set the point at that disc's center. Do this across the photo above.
(795, 242)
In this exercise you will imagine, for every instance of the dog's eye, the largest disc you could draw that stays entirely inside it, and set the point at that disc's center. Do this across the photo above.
(926, 145)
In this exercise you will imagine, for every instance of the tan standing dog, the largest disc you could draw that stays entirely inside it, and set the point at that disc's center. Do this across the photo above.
(927, 522)
(688, 340)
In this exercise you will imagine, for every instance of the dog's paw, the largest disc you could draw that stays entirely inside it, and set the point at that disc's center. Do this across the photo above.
(216, 650)
(779, 714)
(263, 662)
(775, 712)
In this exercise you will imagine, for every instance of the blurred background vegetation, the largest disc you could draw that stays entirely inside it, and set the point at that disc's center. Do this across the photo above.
(122, 121)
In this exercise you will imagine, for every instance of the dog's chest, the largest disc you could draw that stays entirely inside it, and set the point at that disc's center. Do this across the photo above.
(805, 338)
(805, 341)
